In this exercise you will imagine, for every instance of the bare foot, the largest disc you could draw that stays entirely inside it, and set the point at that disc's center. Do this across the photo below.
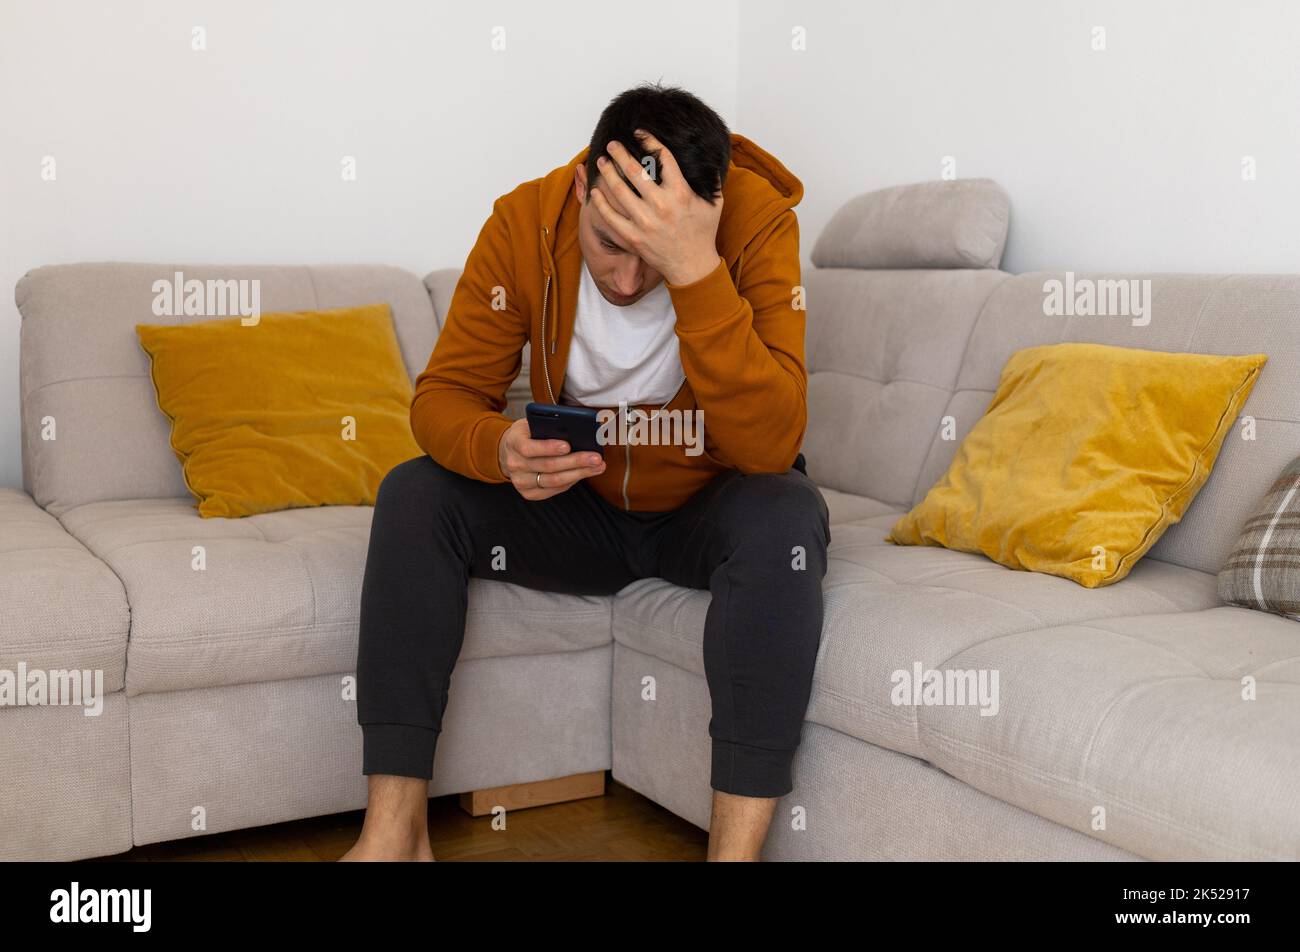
(366, 850)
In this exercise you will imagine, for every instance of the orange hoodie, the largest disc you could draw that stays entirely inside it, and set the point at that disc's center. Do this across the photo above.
(740, 333)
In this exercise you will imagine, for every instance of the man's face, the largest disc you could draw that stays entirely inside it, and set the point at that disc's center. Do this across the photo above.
(622, 277)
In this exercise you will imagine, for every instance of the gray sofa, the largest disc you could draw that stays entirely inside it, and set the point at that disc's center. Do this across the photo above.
(1121, 733)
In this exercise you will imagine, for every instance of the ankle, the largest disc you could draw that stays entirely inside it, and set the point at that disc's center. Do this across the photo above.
(398, 835)
(370, 849)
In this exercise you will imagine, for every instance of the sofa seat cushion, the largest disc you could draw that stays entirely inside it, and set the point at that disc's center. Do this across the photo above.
(1144, 717)
(850, 507)
(280, 594)
(888, 608)
(63, 609)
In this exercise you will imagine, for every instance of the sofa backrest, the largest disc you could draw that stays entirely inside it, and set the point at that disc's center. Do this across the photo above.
(899, 278)
(82, 366)
(1189, 313)
(894, 354)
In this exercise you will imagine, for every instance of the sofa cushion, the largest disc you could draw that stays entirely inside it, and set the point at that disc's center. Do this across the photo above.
(1189, 313)
(954, 224)
(280, 594)
(848, 507)
(63, 609)
(889, 608)
(1261, 571)
(83, 372)
(1085, 456)
(1145, 717)
(884, 354)
(303, 409)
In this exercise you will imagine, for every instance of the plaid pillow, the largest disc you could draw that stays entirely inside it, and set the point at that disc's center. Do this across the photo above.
(1263, 571)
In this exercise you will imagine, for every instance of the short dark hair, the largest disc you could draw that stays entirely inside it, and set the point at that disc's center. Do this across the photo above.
(696, 135)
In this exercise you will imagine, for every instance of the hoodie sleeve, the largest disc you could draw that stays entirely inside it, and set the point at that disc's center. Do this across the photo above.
(743, 352)
(456, 410)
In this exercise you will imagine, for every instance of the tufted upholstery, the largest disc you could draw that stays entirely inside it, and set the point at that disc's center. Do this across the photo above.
(884, 352)
(1207, 314)
(1141, 715)
(1126, 698)
(62, 607)
(279, 595)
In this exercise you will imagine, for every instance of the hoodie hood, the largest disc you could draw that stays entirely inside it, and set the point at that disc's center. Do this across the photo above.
(758, 189)
(743, 339)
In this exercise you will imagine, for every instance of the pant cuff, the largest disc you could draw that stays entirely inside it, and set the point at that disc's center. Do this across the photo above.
(751, 771)
(400, 750)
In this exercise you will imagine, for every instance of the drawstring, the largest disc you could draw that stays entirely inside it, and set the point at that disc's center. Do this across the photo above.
(550, 270)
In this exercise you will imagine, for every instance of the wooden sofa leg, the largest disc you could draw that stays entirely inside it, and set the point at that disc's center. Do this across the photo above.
(537, 793)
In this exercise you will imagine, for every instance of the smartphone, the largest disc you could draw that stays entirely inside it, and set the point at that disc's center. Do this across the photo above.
(577, 426)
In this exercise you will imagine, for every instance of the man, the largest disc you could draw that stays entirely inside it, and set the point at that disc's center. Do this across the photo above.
(657, 271)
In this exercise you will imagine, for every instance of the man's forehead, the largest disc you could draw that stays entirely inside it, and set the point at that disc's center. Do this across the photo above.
(599, 223)
(603, 232)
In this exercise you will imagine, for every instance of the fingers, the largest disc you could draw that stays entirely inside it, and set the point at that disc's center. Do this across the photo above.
(635, 175)
(530, 448)
(558, 464)
(558, 482)
(525, 458)
(539, 469)
(611, 199)
(669, 172)
(619, 223)
(616, 191)
(551, 483)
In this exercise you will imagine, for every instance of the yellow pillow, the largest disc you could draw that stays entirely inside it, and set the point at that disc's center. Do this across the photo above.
(1083, 459)
(303, 409)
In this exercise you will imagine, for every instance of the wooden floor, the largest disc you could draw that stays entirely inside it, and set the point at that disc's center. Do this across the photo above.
(622, 825)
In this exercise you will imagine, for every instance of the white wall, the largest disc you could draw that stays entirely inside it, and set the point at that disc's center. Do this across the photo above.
(233, 154)
(1128, 159)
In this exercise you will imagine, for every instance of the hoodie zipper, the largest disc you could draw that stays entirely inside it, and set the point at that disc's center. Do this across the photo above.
(546, 295)
(627, 447)
(627, 474)
(546, 370)
(546, 373)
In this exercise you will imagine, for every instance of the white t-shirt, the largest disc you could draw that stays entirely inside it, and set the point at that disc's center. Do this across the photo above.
(622, 354)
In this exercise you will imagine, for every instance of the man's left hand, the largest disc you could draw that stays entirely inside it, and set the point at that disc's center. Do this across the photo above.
(669, 226)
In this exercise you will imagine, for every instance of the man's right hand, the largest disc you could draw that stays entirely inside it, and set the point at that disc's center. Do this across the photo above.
(521, 458)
